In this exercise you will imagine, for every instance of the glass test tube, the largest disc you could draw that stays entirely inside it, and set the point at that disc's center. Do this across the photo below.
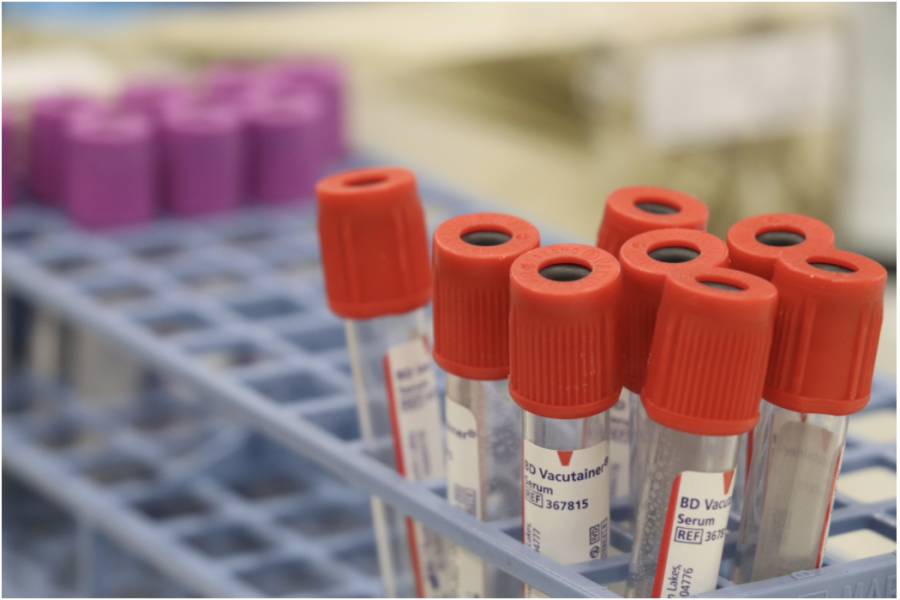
(375, 259)
(787, 510)
(711, 321)
(368, 341)
(565, 373)
(754, 244)
(631, 211)
(646, 259)
(580, 447)
(815, 380)
(472, 258)
(488, 484)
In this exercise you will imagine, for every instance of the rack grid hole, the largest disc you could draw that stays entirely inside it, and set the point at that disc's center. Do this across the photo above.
(286, 577)
(227, 541)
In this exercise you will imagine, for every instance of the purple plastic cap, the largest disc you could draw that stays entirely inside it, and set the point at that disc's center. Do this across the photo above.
(9, 158)
(203, 154)
(285, 138)
(150, 97)
(111, 172)
(327, 77)
(47, 169)
(226, 81)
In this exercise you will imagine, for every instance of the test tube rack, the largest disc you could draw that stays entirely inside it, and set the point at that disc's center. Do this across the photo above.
(244, 474)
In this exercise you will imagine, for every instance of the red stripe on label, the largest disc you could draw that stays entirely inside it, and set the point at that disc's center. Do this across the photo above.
(401, 468)
(565, 457)
(666, 537)
(824, 536)
(395, 423)
(728, 477)
(414, 557)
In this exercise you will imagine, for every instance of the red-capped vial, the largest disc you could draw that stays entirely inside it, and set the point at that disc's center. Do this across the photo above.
(472, 258)
(633, 210)
(830, 305)
(755, 243)
(565, 373)
(374, 249)
(646, 260)
(707, 366)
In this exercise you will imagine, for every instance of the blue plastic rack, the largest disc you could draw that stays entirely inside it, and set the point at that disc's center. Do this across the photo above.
(243, 474)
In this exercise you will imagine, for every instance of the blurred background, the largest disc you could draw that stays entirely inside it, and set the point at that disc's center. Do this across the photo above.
(544, 109)
(751, 107)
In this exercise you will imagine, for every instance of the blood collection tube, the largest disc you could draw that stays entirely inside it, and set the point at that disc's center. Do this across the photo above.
(472, 257)
(565, 373)
(830, 306)
(646, 259)
(704, 379)
(631, 211)
(374, 250)
(754, 245)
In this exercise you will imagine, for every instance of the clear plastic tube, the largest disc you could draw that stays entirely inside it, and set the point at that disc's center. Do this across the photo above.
(413, 561)
(620, 446)
(698, 508)
(566, 518)
(639, 446)
(790, 491)
(483, 472)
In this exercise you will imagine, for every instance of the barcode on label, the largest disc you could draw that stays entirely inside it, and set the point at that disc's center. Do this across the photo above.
(465, 498)
(604, 537)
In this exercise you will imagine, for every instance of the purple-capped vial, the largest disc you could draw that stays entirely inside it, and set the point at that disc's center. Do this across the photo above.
(47, 155)
(10, 148)
(284, 154)
(327, 77)
(203, 154)
(111, 176)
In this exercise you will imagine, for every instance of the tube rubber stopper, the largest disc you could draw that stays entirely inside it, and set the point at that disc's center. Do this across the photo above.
(564, 356)
(373, 242)
(646, 259)
(710, 351)
(755, 243)
(637, 209)
(830, 306)
(472, 257)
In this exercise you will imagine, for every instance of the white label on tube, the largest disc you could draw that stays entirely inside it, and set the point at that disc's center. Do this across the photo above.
(464, 491)
(694, 534)
(418, 445)
(803, 465)
(619, 446)
(566, 508)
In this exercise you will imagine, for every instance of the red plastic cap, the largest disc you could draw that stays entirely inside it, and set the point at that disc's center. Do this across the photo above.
(755, 243)
(830, 305)
(633, 210)
(472, 257)
(564, 358)
(710, 351)
(646, 259)
(373, 242)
